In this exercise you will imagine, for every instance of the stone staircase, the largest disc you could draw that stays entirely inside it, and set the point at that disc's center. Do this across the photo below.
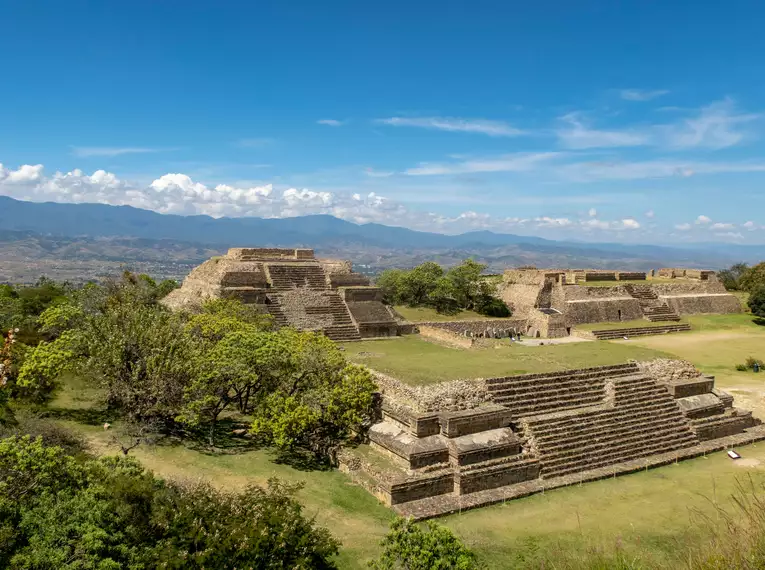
(641, 420)
(283, 276)
(534, 394)
(341, 328)
(653, 309)
(611, 334)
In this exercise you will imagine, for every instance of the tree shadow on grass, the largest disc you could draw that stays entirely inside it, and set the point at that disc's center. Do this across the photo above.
(302, 460)
(759, 321)
(86, 416)
(230, 437)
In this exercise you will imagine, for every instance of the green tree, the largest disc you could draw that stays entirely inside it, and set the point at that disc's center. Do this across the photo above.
(753, 278)
(389, 281)
(757, 302)
(418, 283)
(43, 364)
(731, 277)
(409, 546)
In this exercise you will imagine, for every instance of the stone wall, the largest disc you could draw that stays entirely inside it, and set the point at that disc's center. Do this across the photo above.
(445, 337)
(707, 303)
(257, 253)
(445, 396)
(512, 325)
(600, 310)
(668, 370)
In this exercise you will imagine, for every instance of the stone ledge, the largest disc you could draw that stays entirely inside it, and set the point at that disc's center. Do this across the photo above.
(447, 504)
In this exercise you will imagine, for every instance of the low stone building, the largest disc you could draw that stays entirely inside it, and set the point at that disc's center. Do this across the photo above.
(553, 301)
(296, 288)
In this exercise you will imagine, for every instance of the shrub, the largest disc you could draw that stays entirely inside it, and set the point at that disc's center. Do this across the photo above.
(741, 367)
(756, 302)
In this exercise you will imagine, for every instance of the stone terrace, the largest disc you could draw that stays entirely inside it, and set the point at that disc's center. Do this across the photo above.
(529, 432)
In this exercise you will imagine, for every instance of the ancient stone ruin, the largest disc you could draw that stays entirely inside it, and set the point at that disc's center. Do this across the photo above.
(443, 448)
(295, 288)
(554, 301)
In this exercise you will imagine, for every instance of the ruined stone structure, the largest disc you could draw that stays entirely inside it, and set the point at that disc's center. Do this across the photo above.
(441, 449)
(295, 288)
(553, 301)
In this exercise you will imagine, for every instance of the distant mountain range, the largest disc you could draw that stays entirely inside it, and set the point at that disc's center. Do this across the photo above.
(33, 232)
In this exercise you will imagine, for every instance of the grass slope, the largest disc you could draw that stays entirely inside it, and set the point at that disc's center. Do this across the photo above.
(418, 361)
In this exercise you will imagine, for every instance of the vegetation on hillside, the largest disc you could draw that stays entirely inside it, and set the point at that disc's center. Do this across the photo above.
(65, 511)
(462, 287)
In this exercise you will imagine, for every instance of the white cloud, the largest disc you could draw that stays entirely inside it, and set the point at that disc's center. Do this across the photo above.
(721, 226)
(750, 225)
(330, 122)
(578, 136)
(372, 173)
(702, 219)
(732, 235)
(715, 127)
(507, 163)
(683, 227)
(592, 213)
(630, 224)
(649, 214)
(88, 151)
(24, 174)
(547, 222)
(622, 170)
(482, 126)
(641, 94)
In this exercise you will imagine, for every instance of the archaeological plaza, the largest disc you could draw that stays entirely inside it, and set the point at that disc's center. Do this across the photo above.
(439, 447)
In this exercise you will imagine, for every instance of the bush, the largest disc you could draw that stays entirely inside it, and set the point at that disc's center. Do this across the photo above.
(412, 546)
(493, 307)
(57, 511)
(756, 302)
(741, 367)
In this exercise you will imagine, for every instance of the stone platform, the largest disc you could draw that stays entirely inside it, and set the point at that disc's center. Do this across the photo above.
(531, 432)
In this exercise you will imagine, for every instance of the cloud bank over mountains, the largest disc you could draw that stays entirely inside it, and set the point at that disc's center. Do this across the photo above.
(176, 193)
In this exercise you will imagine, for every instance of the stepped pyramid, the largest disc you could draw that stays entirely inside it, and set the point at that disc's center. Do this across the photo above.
(297, 289)
(532, 432)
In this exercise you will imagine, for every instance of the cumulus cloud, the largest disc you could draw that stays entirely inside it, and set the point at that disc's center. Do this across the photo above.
(630, 224)
(453, 124)
(722, 226)
(641, 94)
(702, 219)
(592, 213)
(683, 227)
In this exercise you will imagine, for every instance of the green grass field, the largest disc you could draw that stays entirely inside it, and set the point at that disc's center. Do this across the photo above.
(651, 517)
(418, 361)
(426, 314)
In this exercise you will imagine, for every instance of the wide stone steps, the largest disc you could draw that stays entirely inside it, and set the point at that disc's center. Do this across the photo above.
(657, 447)
(515, 459)
(612, 334)
(564, 434)
(610, 436)
(517, 384)
(644, 419)
(287, 277)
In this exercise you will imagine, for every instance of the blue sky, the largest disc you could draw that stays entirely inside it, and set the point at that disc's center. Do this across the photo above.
(598, 121)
